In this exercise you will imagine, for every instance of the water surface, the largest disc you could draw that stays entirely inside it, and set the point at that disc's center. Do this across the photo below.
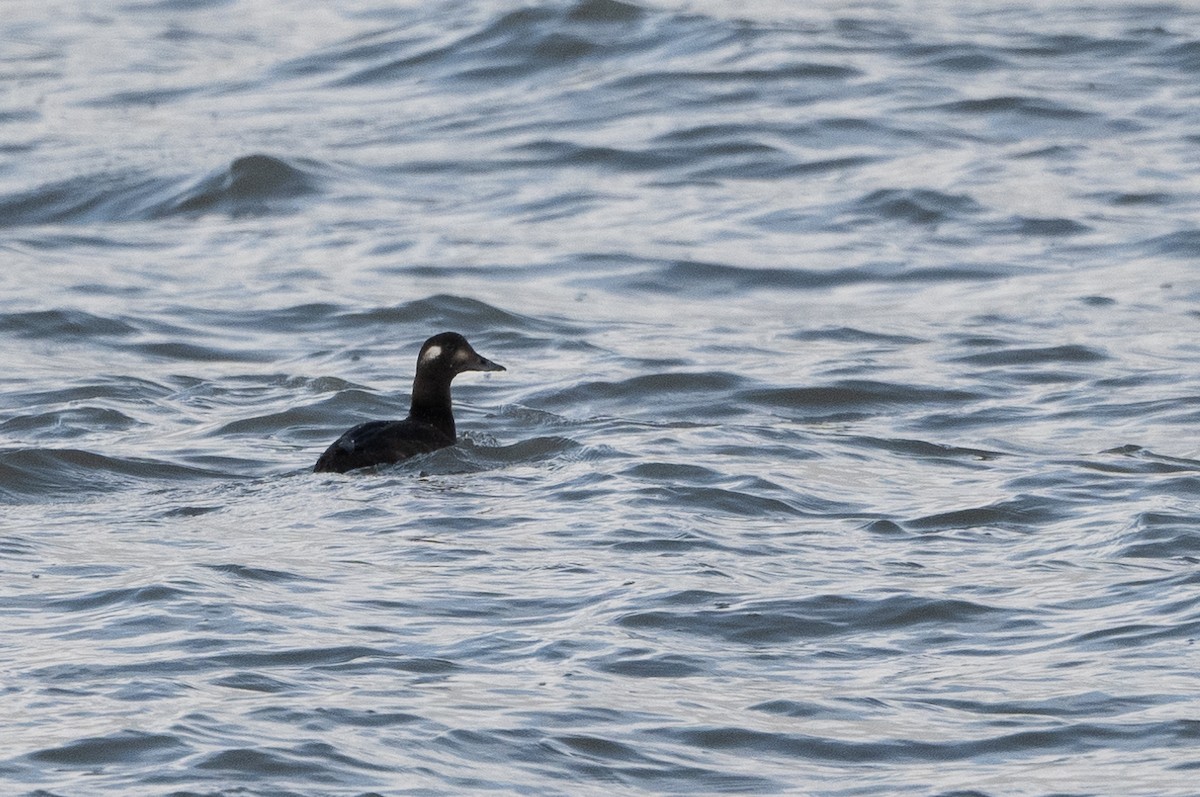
(846, 445)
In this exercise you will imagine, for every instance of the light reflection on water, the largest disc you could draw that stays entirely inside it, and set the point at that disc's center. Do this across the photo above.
(844, 447)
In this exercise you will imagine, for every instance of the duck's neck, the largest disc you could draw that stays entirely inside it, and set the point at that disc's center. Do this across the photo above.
(431, 404)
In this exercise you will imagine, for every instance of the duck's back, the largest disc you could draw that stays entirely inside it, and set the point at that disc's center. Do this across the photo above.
(381, 443)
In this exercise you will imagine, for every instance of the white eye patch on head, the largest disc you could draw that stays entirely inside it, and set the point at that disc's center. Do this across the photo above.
(431, 354)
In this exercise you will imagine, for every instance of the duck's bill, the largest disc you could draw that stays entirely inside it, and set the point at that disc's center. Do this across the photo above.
(484, 364)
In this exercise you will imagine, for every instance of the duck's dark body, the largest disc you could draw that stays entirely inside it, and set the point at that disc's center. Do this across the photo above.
(379, 442)
(430, 422)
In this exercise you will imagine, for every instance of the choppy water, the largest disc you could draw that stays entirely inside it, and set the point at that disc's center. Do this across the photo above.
(847, 444)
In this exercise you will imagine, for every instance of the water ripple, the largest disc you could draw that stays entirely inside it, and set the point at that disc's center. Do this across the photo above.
(846, 443)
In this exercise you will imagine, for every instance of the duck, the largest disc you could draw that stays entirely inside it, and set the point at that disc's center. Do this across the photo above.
(430, 422)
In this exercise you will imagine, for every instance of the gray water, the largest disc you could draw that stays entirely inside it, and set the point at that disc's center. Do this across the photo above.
(847, 443)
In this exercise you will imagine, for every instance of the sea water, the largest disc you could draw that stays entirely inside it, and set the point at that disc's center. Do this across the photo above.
(847, 444)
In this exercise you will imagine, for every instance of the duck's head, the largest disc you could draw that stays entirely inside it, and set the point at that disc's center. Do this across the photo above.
(449, 354)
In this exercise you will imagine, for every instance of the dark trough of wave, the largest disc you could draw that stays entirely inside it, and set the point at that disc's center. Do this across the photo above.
(253, 184)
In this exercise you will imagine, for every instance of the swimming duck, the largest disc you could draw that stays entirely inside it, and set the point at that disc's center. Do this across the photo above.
(430, 422)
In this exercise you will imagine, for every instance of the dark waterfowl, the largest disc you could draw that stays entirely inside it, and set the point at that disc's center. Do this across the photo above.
(430, 422)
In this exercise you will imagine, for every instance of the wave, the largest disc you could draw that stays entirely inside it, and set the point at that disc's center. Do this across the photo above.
(514, 46)
(71, 422)
(1182, 243)
(1162, 536)
(62, 324)
(1053, 227)
(708, 279)
(1070, 353)
(1019, 513)
(785, 621)
(49, 474)
(854, 396)
(245, 186)
(249, 185)
(418, 315)
(919, 206)
(124, 747)
(1032, 107)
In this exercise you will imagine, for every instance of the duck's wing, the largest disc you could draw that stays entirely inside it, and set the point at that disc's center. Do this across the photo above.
(381, 443)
